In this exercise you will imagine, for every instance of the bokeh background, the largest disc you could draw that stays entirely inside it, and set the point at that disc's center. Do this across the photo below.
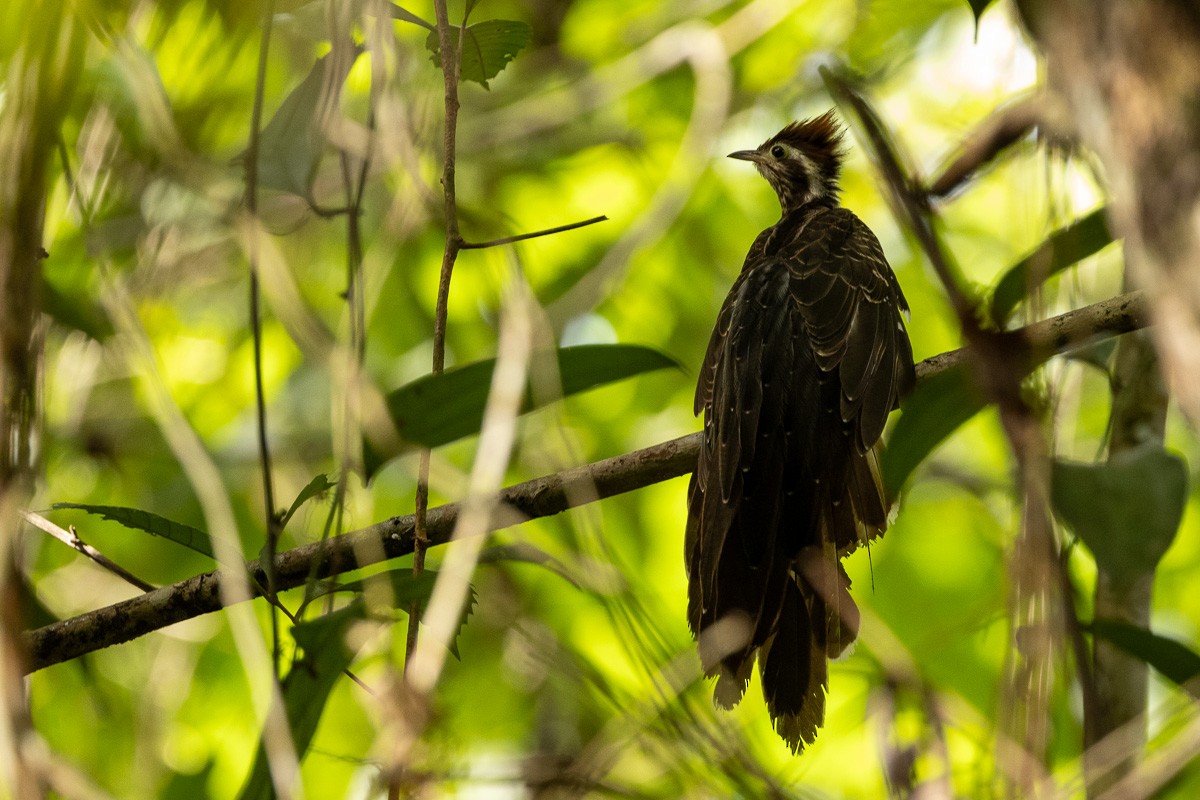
(580, 678)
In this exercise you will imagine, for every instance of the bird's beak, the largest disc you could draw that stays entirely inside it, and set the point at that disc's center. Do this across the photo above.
(746, 155)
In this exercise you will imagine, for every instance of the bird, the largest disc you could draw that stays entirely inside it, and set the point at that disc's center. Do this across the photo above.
(809, 355)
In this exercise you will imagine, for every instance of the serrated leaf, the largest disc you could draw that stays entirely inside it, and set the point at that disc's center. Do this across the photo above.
(1126, 510)
(935, 409)
(316, 486)
(1174, 660)
(437, 409)
(186, 535)
(325, 656)
(291, 145)
(487, 47)
(1063, 248)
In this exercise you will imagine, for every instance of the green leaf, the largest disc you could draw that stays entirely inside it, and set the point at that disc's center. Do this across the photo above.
(1127, 510)
(1096, 354)
(406, 589)
(1174, 660)
(487, 47)
(436, 409)
(182, 786)
(291, 145)
(316, 486)
(75, 312)
(1063, 248)
(408, 16)
(935, 409)
(526, 553)
(186, 535)
(307, 686)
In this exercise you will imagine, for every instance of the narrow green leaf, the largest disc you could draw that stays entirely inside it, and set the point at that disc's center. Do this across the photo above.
(487, 47)
(292, 143)
(408, 16)
(325, 656)
(437, 409)
(186, 535)
(1063, 248)
(316, 486)
(1174, 660)
(935, 409)
(1127, 510)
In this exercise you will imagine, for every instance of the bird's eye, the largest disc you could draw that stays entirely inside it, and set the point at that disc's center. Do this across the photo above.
(777, 151)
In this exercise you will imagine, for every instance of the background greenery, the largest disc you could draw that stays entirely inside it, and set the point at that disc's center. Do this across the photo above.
(583, 677)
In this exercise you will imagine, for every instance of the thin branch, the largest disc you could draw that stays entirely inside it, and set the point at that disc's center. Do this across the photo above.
(541, 497)
(1004, 128)
(71, 539)
(1037, 566)
(260, 401)
(520, 237)
(452, 58)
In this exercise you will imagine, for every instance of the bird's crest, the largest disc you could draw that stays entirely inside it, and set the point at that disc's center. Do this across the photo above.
(819, 138)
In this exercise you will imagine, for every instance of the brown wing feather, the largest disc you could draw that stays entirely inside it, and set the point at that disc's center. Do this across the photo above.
(852, 307)
(808, 357)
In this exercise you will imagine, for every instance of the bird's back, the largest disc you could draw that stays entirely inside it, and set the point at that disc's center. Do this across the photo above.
(808, 357)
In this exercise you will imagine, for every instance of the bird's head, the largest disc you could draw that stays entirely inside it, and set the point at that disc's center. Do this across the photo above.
(802, 161)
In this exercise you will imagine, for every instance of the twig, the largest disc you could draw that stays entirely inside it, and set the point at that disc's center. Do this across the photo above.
(541, 497)
(520, 237)
(999, 131)
(1036, 555)
(450, 77)
(452, 590)
(260, 401)
(71, 539)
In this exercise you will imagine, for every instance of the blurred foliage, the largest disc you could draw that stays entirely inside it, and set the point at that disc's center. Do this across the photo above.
(577, 673)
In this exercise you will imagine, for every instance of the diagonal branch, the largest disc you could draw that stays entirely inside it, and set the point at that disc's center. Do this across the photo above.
(520, 237)
(541, 497)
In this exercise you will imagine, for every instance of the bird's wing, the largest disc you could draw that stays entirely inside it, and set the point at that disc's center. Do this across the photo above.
(852, 309)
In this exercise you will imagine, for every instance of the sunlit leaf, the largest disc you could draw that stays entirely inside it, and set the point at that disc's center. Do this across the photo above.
(437, 409)
(408, 16)
(316, 486)
(1126, 510)
(292, 143)
(1062, 249)
(1174, 660)
(186, 535)
(486, 49)
(325, 656)
(935, 409)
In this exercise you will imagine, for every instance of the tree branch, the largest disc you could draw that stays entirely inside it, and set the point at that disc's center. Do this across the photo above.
(541, 497)
(520, 237)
